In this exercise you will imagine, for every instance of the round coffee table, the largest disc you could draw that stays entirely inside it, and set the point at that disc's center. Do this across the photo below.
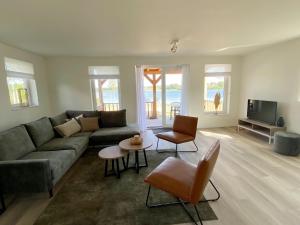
(113, 154)
(147, 142)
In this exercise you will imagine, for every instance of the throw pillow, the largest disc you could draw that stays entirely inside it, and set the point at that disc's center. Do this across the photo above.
(69, 128)
(89, 123)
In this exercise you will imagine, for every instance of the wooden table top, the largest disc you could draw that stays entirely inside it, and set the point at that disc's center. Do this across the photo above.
(147, 142)
(112, 152)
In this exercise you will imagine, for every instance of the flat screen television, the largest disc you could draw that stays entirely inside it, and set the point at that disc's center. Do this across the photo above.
(263, 111)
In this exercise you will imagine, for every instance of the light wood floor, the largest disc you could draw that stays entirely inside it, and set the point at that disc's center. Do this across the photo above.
(257, 186)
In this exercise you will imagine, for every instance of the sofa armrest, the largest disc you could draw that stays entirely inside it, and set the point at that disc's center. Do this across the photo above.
(32, 175)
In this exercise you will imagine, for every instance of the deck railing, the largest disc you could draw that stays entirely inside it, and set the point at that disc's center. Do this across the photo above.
(209, 106)
(171, 110)
(109, 107)
(149, 109)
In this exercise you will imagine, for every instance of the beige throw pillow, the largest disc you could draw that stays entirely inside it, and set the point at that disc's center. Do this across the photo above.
(69, 128)
(89, 123)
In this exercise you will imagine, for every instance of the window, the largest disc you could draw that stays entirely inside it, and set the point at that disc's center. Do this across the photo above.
(105, 87)
(21, 83)
(217, 88)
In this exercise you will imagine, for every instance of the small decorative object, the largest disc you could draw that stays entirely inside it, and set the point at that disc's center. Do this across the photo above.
(280, 122)
(136, 140)
(217, 100)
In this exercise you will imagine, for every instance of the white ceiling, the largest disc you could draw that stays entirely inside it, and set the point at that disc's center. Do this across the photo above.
(146, 27)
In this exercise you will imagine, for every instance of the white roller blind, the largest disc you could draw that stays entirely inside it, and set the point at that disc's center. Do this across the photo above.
(18, 68)
(217, 68)
(104, 70)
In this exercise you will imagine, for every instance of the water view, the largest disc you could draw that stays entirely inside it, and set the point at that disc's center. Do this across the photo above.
(173, 95)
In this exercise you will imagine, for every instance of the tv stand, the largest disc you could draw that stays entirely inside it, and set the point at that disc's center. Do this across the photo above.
(260, 128)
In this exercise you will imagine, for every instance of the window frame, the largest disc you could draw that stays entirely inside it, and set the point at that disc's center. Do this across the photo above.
(93, 77)
(27, 78)
(227, 90)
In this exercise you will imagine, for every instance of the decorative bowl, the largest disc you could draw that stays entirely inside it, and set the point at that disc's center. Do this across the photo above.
(136, 140)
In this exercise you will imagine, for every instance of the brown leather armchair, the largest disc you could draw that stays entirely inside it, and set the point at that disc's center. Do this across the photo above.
(183, 180)
(184, 130)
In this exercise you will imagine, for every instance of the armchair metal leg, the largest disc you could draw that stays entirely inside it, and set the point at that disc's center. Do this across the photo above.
(179, 202)
(158, 204)
(213, 199)
(198, 215)
(195, 146)
(176, 149)
(157, 145)
(183, 204)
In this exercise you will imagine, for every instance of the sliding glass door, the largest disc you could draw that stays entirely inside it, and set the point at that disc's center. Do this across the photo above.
(162, 91)
(172, 96)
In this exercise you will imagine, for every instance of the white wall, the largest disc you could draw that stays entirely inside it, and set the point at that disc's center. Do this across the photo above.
(274, 74)
(69, 84)
(9, 117)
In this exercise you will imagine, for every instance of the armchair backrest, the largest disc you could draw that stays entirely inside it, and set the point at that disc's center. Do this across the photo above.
(186, 125)
(204, 170)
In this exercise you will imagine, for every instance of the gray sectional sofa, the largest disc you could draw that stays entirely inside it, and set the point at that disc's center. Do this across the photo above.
(33, 157)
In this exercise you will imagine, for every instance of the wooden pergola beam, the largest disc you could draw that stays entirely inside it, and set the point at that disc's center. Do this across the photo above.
(153, 80)
(100, 85)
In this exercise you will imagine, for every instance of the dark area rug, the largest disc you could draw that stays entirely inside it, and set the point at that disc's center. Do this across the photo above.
(89, 198)
(160, 129)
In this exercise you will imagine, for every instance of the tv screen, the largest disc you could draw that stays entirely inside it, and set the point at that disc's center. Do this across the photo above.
(264, 111)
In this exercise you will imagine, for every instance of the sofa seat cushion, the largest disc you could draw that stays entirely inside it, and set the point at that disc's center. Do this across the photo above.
(15, 143)
(60, 161)
(78, 144)
(112, 135)
(41, 131)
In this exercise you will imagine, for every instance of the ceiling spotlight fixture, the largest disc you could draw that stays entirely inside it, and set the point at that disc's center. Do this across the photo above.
(174, 45)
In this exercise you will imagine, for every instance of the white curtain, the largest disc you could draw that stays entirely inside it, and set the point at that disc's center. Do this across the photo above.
(140, 98)
(184, 90)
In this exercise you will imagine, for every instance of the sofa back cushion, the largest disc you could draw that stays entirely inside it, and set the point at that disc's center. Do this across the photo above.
(75, 113)
(59, 119)
(113, 118)
(15, 143)
(41, 131)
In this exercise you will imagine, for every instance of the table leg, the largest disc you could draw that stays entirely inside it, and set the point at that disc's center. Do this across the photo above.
(105, 171)
(145, 156)
(118, 169)
(137, 162)
(124, 165)
(127, 160)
